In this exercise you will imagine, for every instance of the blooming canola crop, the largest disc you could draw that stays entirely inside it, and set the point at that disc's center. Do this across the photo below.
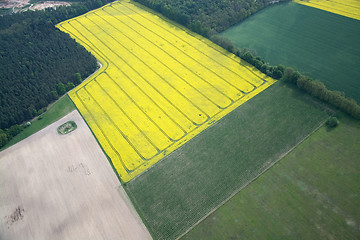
(159, 84)
(348, 8)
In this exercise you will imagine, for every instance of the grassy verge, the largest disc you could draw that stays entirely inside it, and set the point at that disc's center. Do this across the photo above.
(189, 183)
(56, 111)
(312, 193)
(321, 45)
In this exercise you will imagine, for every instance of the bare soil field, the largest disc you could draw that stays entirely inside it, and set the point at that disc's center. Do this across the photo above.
(62, 187)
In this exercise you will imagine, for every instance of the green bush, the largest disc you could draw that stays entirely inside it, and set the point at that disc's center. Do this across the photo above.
(277, 74)
(60, 89)
(54, 95)
(224, 43)
(3, 139)
(13, 131)
(69, 86)
(41, 111)
(290, 75)
(77, 78)
(332, 122)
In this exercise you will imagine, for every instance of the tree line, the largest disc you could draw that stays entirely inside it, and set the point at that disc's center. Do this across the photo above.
(313, 87)
(38, 63)
(287, 74)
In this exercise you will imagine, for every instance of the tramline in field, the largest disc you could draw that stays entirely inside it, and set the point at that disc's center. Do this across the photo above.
(158, 87)
(348, 8)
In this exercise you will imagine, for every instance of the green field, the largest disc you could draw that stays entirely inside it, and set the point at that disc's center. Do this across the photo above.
(320, 44)
(56, 111)
(186, 185)
(312, 193)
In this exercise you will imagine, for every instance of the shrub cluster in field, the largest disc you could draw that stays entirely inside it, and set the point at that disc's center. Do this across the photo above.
(332, 122)
(67, 127)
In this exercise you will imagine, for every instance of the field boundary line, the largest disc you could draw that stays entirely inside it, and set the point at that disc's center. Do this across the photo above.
(84, 84)
(99, 105)
(252, 180)
(101, 130)
(88, 80)
(122, 183)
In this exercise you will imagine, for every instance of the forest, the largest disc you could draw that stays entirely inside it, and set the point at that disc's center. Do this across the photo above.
(207, 17)
(38, 63)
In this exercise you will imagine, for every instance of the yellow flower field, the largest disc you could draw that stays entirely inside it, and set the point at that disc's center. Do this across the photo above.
(159, 84)
(348, 8)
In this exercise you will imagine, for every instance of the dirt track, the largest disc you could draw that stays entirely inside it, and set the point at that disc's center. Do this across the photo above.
(62, 187)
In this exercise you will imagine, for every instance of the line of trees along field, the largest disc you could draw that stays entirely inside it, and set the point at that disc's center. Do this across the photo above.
(207, 17)
(313, 87)
(38, 63)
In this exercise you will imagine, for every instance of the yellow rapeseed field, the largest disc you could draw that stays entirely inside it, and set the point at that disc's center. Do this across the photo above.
(159, 84)
(348, 8)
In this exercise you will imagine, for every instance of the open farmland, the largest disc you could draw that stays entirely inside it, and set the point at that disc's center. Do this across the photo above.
(312, 193)
(348, 8)
(195, 179)
(159, 85)
(319, 44)
(62, 187)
